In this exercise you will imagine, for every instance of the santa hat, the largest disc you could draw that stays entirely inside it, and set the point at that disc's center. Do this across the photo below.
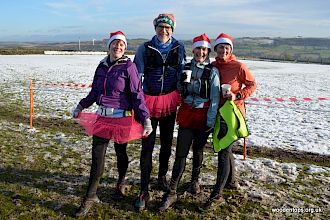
(165, 18)
(118, 35)
(224, 39)
(201, 41)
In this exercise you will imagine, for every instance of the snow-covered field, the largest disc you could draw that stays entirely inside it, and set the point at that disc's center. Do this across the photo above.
(301, 125)
(271, 186)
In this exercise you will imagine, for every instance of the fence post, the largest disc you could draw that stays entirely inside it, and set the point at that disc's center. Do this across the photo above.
(31, 104)
(244, 148)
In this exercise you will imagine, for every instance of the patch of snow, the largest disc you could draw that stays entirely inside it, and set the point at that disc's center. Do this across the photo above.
(312, 169)
(300, 125)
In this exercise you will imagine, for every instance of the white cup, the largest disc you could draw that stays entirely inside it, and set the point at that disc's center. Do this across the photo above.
(188, 74)
(225, 88)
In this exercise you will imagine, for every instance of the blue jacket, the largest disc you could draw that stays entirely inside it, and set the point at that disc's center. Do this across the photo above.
(193, 98)
(159, 71)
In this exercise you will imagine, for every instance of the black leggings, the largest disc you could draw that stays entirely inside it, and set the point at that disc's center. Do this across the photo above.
(166, 126)
(226, 170)
(186, 137)
(98, 157)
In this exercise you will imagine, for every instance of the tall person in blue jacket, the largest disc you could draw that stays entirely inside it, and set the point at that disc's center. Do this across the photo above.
(121, 112)
(159, 61)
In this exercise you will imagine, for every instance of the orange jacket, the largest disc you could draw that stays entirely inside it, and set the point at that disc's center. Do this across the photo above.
(238, 76)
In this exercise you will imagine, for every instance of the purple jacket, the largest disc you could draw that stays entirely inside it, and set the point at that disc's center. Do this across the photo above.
(117, 85)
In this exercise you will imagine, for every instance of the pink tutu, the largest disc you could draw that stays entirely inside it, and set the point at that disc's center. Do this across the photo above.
(120, 130)
(163, 105)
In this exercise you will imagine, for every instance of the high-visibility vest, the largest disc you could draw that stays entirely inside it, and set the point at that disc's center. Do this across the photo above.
(234, 127)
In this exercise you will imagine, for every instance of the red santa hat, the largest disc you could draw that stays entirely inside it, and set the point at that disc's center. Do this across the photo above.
(201, 41)
(118, 35)
(224, 39)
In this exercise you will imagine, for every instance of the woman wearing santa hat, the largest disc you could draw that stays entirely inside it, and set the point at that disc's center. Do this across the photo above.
(242, 84)
(200, 89)
(121, 115)
(159, 62)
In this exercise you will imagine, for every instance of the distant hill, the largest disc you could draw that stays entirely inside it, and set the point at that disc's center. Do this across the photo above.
(312, 50)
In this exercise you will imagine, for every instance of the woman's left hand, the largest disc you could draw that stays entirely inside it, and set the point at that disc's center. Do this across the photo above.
(147, 128)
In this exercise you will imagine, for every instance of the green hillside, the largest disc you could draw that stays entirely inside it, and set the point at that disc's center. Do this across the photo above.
(311, 50)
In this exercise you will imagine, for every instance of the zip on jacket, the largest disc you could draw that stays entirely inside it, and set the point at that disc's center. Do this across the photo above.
(164, 66)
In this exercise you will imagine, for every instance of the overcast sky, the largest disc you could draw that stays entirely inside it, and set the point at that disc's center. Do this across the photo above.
(54, 20)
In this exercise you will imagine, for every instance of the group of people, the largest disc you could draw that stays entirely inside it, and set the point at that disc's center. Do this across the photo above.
(160, 88)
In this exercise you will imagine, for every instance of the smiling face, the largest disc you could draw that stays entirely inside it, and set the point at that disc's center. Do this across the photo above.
(163, 32)
(116, 49)
(200, 54)
(223, 51)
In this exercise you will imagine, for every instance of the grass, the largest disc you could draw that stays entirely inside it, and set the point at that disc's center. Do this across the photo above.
(44, 177)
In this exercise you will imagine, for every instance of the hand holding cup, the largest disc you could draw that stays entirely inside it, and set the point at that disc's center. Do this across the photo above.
(187, 73)
(225, 88)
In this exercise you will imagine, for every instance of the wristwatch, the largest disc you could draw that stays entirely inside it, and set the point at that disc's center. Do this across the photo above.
(238, 96)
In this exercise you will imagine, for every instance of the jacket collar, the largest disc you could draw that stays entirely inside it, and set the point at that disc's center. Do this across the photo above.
(106, 61)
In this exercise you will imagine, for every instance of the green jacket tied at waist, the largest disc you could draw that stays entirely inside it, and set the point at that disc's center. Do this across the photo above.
(229, 126)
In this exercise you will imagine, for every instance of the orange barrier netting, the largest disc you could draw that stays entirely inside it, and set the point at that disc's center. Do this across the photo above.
(79, 85)
(265, 99)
